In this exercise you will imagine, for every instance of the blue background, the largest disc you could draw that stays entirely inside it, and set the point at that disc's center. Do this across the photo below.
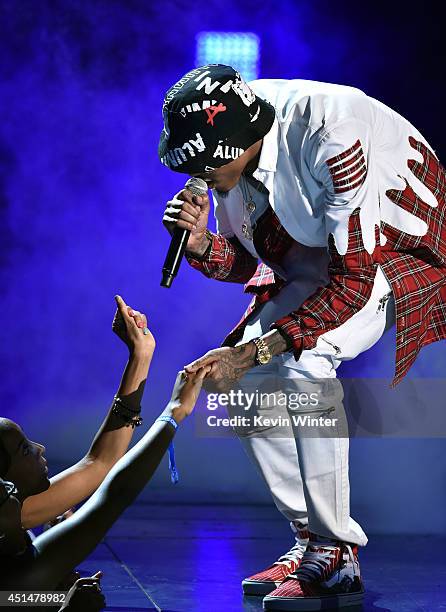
(82, 195)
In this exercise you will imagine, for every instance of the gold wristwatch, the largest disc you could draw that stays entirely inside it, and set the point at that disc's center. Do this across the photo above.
(263, 355)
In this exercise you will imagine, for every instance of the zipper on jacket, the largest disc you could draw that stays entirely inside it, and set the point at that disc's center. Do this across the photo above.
(336, 348)
(324, 412)
(382, 302)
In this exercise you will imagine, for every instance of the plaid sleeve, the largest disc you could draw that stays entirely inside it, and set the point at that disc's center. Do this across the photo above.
(351, 281)
(226, 260)
(342, 164)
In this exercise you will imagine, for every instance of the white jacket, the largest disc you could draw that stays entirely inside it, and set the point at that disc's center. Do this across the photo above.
(314, 123)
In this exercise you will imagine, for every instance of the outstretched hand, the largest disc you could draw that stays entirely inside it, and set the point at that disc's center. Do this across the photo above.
(131, 327)
(225, 366)
(185, 392)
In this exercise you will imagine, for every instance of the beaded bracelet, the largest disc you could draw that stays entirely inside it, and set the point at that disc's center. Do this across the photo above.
(125, 406)
(130, 415)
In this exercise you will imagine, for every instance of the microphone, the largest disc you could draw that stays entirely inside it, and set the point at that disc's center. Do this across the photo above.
(180, 237)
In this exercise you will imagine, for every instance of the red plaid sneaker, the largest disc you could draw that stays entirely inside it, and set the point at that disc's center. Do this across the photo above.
(328, 577)
(266, 581)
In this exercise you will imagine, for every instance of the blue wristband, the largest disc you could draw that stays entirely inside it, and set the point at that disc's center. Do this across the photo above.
(168, 419)
(174, 476)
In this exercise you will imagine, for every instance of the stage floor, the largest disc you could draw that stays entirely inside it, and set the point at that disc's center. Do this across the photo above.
(193, 558)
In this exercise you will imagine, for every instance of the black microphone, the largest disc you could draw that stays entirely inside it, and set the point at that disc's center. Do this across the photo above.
(180, 237)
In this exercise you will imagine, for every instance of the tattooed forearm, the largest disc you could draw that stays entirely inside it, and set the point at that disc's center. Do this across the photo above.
(242, 359)
(275, 342)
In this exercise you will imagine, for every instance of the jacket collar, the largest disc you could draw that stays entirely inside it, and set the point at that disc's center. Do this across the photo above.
(269, 152)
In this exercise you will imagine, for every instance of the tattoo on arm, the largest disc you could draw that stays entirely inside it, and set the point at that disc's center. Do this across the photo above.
(275, 342)
(234, 364)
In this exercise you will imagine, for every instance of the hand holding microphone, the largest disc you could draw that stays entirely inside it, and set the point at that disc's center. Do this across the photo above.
(186, 218)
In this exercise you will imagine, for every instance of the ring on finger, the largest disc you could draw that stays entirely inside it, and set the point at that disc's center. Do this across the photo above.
(146, 331)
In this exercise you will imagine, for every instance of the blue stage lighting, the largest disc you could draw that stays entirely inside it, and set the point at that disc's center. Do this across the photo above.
(241, 50)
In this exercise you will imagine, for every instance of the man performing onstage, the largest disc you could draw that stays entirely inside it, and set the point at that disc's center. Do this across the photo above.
(343, 202)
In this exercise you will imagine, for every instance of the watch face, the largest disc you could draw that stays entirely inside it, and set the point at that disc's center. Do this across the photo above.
(264, 358)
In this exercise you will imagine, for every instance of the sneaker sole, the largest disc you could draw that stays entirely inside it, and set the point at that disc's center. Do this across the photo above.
(253, 587)
(308, 604)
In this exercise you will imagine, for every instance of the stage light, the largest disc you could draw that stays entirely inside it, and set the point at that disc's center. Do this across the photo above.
(241, 50)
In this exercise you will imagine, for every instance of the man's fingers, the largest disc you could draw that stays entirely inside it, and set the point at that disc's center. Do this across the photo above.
(200, 363)
(200, 374)
(185, 195)
(182, 213)
(177, 204)
(186, 225)
(205, 371)
(178, 222)
(186, 214)
(214, 371)
(187, 217)
(192, 209)
(174, 207)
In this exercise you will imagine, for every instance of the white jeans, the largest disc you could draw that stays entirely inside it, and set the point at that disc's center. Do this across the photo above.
(308, 475)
